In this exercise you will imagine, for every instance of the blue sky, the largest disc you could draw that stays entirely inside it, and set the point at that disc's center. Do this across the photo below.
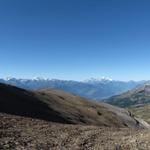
(75, 39)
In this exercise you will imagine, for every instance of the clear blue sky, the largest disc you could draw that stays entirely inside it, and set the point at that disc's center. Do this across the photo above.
(75, 39)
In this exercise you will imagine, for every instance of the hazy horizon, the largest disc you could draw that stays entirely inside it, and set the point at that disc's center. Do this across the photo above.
(75, 40)
(68, 79)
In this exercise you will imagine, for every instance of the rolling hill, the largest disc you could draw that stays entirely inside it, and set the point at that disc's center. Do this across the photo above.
(58, 106)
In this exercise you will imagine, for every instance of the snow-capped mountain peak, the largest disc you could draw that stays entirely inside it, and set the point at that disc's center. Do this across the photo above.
(101, 79)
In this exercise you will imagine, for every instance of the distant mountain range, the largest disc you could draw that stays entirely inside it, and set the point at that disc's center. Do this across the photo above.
(95, 89)
(137, 97)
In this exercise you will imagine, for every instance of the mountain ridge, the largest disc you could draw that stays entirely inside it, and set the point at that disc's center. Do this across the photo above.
(136, 97)
(92, 89)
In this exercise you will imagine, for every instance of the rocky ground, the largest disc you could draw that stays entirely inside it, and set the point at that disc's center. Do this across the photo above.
(19, 133)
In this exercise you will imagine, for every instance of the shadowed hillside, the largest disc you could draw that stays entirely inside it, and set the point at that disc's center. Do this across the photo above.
(58, 106)
(17, 101)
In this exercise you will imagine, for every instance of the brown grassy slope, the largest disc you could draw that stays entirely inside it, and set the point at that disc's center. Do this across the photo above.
(58, 106)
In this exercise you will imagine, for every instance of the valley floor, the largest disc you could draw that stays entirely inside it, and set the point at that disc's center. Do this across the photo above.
(19, 133)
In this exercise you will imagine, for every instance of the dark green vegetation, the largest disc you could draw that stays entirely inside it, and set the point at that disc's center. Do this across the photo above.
(133, 98)
(58, 106)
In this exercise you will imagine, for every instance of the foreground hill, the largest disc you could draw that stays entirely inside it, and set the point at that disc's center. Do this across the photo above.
(58, 106)
(137, 97)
